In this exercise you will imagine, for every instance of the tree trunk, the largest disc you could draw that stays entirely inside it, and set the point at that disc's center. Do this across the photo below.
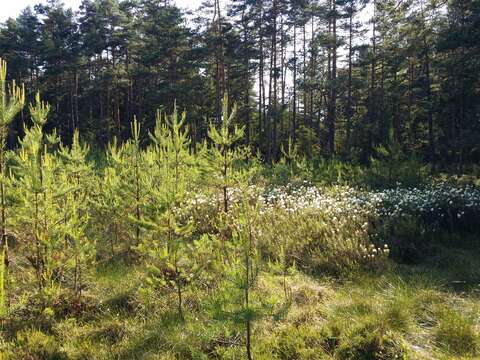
(349, 86)
(294, 109)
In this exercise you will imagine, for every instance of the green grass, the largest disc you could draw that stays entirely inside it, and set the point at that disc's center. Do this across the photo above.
(426, 311)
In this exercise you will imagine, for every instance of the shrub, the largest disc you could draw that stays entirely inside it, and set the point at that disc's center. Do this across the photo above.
(408, 238)
(110, 333)
(334, 172)
(316, 240)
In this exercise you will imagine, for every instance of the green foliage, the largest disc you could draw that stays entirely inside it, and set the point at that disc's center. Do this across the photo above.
(108, 207)
(52, 193)
(315, 241)
(11, 102)
(367, 341)
(223, 160)
(300, 342)
(332, 171)
(291, 168)
(168, 246)
(101, 254)
(78, 172)
(121, 192)
(40, 193)
(391, 167)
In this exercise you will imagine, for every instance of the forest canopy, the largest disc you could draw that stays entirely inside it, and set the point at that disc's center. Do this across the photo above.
(338, 77)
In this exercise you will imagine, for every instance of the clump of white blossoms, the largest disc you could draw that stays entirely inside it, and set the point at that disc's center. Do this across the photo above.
(349, 220)
(435, 201)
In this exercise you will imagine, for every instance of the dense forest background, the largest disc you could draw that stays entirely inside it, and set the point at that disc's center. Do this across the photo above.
(338, 77)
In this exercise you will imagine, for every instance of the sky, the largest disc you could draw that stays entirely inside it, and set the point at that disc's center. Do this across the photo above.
(11, 8)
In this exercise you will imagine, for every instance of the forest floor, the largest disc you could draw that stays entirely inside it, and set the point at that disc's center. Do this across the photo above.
(425, 311)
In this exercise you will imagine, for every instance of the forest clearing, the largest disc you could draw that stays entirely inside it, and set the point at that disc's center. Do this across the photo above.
(282, 180)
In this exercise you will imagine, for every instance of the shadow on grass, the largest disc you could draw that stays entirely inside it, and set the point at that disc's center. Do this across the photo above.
(153, 337)
(453, 266)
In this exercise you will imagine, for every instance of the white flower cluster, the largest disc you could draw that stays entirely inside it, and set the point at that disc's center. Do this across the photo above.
(433, 201)
(338, 200)
(371, 251)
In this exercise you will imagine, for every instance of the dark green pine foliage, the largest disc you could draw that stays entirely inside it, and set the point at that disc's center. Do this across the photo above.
(315, 71)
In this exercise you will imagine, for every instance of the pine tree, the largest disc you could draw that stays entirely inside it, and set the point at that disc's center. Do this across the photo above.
(245, 237)
(123, 186)
(41, 194)
(235, 298)
(135, 154)
(77, 172)
(107, 207)
(11, 103)
(169, 250)
(3, 308)
(223, 154)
